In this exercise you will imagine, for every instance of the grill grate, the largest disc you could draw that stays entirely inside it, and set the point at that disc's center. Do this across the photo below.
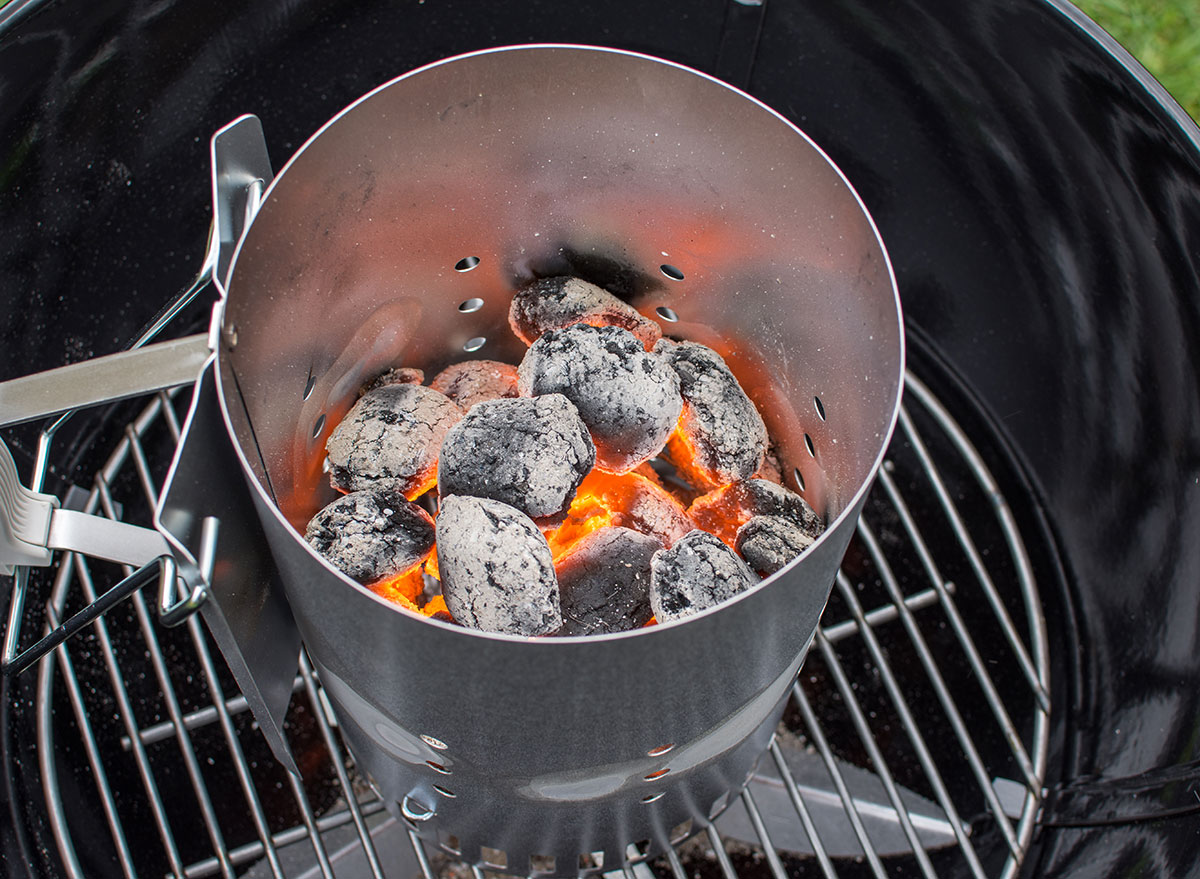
(915, 742)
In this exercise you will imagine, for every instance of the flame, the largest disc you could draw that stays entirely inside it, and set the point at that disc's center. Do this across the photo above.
(630, 500)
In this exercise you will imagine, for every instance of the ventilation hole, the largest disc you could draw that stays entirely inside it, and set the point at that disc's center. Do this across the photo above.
(681, 831)
(415, 810)
(660, 750)
(444, 791)
(309, 385)
(653, 798)
(799, 477)
(434, 743)
(493, 857)
(820, 407)
(542, 863)
(808, 444)
(466, 264)
(319, 426)
(437, 767)
(667, 314)
(475, 344)
(452, 845)
(591, 860)
(657, 774)
(469, 305)
(671, 272)
(719, 805)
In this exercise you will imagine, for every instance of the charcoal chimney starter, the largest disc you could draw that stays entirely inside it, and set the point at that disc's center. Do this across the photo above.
(396, 237)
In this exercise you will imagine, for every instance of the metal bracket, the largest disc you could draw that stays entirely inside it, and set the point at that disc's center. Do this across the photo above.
(232, 580)
(241, 172)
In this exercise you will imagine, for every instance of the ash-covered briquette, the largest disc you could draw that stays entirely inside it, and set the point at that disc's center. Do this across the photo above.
(371, 535)
(496, 569)
(723, 511)
(530, 453)
(555, 303)
(697, 573)
(474, 381)
(767, 543)
(390, 439)
(724, 438)
(628, 397)
(604, 582)
(400, 375)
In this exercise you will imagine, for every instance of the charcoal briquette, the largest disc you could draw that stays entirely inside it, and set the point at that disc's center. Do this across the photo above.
(371, 535)
(555, 303)
(390, 439)
(473, 381)
(767, 543)
(723, 511)
(629, 398)
(401, 375)
(604, 582)
(530, 453)
(721, 437)
(496, 569)
(697, 573)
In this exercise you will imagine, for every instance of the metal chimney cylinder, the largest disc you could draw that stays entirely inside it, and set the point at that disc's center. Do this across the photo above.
(708, 212)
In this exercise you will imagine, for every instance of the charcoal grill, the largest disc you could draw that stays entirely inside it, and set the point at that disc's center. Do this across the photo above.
(106, 787)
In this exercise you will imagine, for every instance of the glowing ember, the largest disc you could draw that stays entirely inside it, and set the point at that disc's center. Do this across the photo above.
(722, 512)
(720, 437)
(551, 519)
(629, 500)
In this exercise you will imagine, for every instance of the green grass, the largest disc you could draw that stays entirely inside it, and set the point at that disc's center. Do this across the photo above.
(1164, 35)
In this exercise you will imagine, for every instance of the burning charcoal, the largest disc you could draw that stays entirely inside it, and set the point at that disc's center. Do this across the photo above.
(555, 303)
(401, 375)
(721, 437)
(697, 573)
(390, 439)
(497, 574)
(629, 500)
(372, 536)
(473, 381)
(404, 589)
(628, 398)
(767, 543)
(530, 453)
(604, 582)
(724, 511)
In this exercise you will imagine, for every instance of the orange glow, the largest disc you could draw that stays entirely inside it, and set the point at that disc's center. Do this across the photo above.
(427, 484)
(403, 588)
(630, 500)
(437, 604)
(681, 451)
(723, 512)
